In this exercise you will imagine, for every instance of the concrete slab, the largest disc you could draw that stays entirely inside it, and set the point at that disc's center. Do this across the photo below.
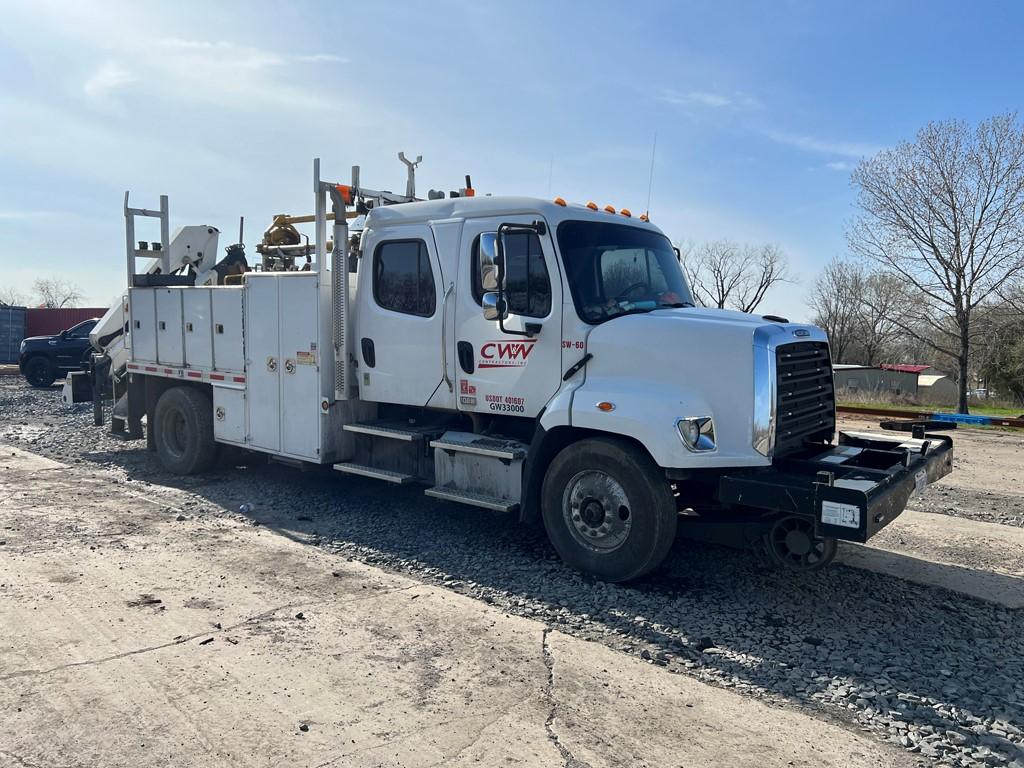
(983, 560)
(135, 635)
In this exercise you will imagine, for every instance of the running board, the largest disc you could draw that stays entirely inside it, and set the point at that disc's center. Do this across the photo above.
(398, 478)
(447, 493)
(480, 445)
(380, 430)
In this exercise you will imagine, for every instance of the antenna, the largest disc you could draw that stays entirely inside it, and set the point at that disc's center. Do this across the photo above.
(241, 228)
(650, 180)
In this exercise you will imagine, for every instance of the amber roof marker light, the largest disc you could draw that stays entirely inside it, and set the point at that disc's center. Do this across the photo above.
(559, 201)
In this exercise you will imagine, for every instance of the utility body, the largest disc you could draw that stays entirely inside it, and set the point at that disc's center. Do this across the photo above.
(523, 356)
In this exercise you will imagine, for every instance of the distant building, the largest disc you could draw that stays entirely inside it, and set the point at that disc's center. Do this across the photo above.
(938, 389)
(902, 368)
(873, 380)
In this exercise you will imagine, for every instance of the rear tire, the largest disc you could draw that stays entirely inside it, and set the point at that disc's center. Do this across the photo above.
(183, 420)
(40, 373)
(608, 510)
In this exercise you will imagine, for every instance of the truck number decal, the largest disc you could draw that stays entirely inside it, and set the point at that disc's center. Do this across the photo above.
(506, 403)
(505, 354)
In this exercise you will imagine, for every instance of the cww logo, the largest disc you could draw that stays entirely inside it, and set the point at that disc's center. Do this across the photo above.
(505, 354)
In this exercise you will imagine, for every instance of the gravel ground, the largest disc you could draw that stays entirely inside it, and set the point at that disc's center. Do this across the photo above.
(932, 671)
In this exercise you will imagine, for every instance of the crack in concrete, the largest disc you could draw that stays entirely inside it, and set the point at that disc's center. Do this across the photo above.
(250, 620)
(571, 761)
(147, 649)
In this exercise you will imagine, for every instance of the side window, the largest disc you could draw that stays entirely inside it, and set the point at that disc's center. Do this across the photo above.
(402, 277)
(527, 284)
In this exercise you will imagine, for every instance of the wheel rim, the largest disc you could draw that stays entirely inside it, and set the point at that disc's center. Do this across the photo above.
(792, 543)
(175, 433)
(597, 511)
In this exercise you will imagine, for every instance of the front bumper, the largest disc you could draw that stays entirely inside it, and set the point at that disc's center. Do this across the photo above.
(851, 490)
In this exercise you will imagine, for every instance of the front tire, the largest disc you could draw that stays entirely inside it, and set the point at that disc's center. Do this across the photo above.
(40, 373)
(608, 510)
(183, 420)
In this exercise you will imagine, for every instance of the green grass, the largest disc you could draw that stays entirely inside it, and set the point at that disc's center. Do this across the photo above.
(976, 410)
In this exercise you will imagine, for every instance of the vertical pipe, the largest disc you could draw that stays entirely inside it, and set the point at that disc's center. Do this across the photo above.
(165, 234)
(321, 215)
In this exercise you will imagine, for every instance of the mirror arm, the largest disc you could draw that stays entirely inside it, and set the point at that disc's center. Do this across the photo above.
(502, 307)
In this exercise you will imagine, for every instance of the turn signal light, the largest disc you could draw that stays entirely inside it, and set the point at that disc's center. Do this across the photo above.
(605, 406)
(592, 205)
(626, 212)
(559, 201)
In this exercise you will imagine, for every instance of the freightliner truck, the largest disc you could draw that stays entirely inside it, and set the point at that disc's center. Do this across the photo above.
(522, 356)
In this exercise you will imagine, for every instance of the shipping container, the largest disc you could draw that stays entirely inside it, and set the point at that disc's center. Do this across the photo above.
(50, 322)
(12, 331)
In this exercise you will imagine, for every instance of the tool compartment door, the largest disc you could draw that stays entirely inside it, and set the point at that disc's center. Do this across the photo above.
(300, 365)
(262, 350)
(142, 326)
(170, 337)
(198, 328)
(228, 350)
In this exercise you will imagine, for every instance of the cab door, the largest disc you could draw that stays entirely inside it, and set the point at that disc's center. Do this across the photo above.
(501, 373)
(399, 327)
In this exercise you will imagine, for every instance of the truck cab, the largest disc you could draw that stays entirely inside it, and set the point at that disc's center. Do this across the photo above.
(523, 356)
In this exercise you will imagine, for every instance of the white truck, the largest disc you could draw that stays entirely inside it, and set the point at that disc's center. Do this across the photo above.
(525, 356)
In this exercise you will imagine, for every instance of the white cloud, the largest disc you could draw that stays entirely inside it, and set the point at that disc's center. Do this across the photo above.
(854, 150)
(839, 165)
(318, 58)
(109, 77)
(710, 99)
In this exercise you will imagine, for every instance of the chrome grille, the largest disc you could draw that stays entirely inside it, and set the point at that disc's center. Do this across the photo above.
(805, 399)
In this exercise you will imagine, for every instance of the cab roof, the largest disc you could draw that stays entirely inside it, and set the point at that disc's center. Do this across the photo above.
(476, 207)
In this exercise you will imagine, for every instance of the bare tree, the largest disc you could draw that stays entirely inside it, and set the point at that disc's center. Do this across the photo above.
(945, 215)
(727, 274)
(9, 297)
(54, 293)
(835, 300)
(881, 304)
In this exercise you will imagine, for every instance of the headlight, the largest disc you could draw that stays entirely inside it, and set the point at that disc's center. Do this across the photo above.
(21, 348)
(697, 433)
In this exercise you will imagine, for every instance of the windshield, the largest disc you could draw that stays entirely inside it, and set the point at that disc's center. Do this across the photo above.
(615, 269)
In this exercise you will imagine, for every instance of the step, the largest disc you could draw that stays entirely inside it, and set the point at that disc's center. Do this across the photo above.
(398, 478)
(481, 445)
(473, 499)
(393, 430)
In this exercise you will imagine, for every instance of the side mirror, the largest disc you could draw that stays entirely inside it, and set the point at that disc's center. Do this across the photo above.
(489, 261)
(63, 334)
(493, 306)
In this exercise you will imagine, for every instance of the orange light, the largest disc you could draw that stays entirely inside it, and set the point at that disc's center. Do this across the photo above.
(643, 217)
(609, 209)
(470, 192)
(592, 205)
(605, 406)
(626, 212)
(346, 193)
(560, 201)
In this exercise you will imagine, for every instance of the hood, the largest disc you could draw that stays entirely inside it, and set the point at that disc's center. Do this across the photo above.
(690, 362)
(30, 339)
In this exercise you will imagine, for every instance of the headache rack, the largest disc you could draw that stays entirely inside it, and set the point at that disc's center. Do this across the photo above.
(805, 399)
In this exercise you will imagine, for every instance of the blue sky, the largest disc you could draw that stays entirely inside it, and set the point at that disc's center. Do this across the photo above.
(761, 110)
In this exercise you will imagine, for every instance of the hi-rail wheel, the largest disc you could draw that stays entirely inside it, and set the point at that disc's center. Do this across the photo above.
(790, 543)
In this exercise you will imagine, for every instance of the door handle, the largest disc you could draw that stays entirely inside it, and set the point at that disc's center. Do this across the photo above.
(466, 357)
(444, 337)
(369, 353)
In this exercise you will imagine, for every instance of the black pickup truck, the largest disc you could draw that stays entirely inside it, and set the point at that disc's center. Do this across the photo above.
(43, 358)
